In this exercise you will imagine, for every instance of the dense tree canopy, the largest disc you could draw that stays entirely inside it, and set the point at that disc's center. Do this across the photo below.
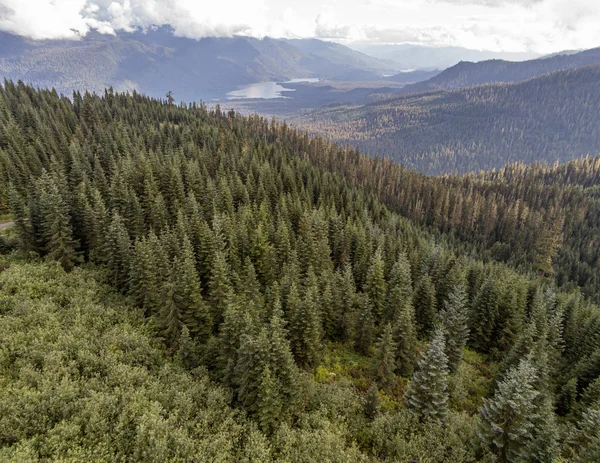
(267, 275)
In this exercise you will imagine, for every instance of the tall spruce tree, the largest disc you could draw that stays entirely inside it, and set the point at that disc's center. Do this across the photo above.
(364, 330)
(424, 303)
(454, 318)
(399, 295)
(512, 421)
(405, 338)
(427, 393)
(60, 244)
(384, 361)
(375, 285)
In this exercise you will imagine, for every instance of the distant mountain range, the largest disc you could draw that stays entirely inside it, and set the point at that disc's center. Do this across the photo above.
(552, 118)
(424, 57)
(155, 61)
(465, 74)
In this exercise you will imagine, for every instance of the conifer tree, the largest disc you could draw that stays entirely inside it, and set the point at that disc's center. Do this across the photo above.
(427, 394)
(365, 324)
(454, 319)
(424, 303)
(399, 295)
(484, 316)
(219, 286)
(268, 407)
(405, 338)
(307, 330)
(61, 246)
(510, 421)
(375, 285)
(17, 209)
(372, 401)
(117, 249)
(345, 303)
(384, 362)
(194, 311)
(282, 361)
(170, 316)
(187, 351)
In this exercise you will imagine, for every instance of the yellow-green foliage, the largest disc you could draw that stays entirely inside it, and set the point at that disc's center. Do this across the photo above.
(471, 382)
(82, 379)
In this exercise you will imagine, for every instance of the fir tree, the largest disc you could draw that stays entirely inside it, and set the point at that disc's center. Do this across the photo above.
(372, 402)
(427, 393)
(510, 421)
(365, 324)
(405, 338)
(282, 361)
(375, 285)
(268, 406)
(399, 289)
(307, 330)
(117, 249)
(219, 286)
(454, 319)
(194, 311)
(424, 303)
(384, 362)
(61, 246)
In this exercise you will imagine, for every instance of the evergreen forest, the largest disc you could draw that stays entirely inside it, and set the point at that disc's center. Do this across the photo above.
(186, 284)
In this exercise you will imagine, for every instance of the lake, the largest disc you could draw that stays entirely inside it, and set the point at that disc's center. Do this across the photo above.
(266, 90)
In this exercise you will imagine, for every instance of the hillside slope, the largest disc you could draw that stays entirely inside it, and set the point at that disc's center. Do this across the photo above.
(467, 74)
(271, 263)
(549, 119)
(156, 61)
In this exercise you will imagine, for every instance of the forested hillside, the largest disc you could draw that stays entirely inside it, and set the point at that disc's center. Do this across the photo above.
(549, 119)
(216, 262)
(195, 69)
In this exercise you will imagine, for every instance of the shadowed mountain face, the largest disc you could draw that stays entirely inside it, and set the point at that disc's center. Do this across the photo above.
(157, 61)
(466, 74)
(552, 118)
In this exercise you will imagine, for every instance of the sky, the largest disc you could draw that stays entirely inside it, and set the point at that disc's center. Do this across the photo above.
(541, 26)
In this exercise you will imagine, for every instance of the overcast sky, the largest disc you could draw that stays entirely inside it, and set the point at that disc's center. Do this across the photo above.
(502, 25)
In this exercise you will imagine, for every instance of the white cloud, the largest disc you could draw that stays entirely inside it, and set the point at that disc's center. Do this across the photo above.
(509, 25)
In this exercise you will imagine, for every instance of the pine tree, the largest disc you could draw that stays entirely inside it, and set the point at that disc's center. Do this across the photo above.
(484, 316)
(252, 359)
(307, 329)
(344, 301)
(506, 427)
(17, 209)
(170, 316)
(384, 362)
(195, 312)
(365, 324)
(219, 286)
(405, 338)
(117, 249)
(268, 406)
(188, 353)
(375, 285)
(399, 295)
(282, 361)
(427, 393)
(372, 402)
(61, 246)
(424, 303)
(454, 319)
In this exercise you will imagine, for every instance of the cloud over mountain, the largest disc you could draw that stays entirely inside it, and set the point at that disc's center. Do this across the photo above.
(507, 25)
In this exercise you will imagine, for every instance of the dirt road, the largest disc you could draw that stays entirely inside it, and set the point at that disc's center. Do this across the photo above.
(6, 225)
